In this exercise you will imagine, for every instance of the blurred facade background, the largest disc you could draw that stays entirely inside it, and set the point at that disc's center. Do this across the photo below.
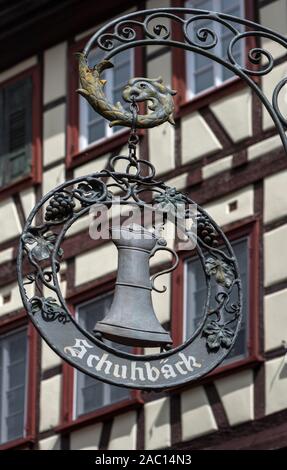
(224, 151)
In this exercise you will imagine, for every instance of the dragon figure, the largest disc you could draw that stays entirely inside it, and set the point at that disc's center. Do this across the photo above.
(154, 91)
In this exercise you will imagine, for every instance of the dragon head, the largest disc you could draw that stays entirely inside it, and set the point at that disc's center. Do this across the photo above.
(145, 89)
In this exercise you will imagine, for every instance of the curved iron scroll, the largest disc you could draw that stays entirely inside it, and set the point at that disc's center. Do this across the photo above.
(142, 28)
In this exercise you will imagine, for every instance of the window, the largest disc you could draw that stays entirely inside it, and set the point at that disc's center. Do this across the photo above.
(13, 385)
(15, 130)
(92, 394)
(93, 127)
(196, 293)
(202, 72)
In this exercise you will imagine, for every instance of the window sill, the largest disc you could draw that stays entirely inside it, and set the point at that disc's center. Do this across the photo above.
(14, 187)
(209, 96)
(105, 146)
(101, 414)
(17, 444)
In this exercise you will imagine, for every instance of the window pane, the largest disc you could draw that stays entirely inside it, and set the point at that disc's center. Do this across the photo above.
(122, 57)
(227, 5)
(204, 80)
(96, 131)
(91, 393)
(200, 4)
(15, 399)
(121, 74)
(92, 126)
(15, 426)
(13, 385)
(199, 80)
(15, 130)
(196, 291)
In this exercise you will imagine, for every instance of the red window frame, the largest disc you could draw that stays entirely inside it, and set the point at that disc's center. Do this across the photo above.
(9, 323)
(74, 156)
(35, 175)
(249, 228)
(96, 288)
(186, 106)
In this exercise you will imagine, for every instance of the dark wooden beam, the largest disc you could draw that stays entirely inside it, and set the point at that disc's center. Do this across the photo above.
(38, 25)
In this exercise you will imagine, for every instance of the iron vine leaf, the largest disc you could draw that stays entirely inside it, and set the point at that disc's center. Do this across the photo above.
(222, 271)
(218, 335)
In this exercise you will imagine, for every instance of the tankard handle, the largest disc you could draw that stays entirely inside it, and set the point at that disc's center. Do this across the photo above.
(165, 271)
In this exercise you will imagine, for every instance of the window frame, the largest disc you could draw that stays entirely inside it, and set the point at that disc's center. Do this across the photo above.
(248, 228)
(75, 386)
(217, 69)
(83, 110)
(9, 324)
(68, 420)
(35, 174)
(75, 156)
(185, 105)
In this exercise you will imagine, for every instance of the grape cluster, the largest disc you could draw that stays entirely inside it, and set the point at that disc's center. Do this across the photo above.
(60, 206)
(205, 232)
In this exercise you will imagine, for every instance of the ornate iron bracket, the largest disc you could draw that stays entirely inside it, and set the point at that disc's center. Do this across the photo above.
(40, 250)
(143, 28)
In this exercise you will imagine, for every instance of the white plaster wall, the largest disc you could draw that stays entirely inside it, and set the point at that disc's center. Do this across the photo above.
(161, 147)
(6, 255)
(95, 263)
(238, 125)
(274, 16)
(11, 226)
(93, 166)
(49, 359)
(81, 224)
(55, 66)
(197, 138)
(237, 395)
(87, 438)
(53, 177)
(28, 200)
(157, 424)
(275, 385)
(50, 401)
(178, 182)
(161, 302)
(275, 200)
(275, 320)
(50, 443)
(196, 414)
(54, 136)
(15, 301)
(269, 83)
(275, 256)
(124, 432)
(263, 147)
(219, 166)
(161, 67)
(220, 211)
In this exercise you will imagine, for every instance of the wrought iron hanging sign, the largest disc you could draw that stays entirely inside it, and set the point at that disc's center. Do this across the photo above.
(132, 320)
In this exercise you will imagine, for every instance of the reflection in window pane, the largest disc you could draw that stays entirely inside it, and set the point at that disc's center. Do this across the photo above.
(218, 73)
(196, 291)
(13, 360)
(91, 393)
(203, 80)
(96, 131)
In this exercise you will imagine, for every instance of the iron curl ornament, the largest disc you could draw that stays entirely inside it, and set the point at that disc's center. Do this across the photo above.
(40, 252)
